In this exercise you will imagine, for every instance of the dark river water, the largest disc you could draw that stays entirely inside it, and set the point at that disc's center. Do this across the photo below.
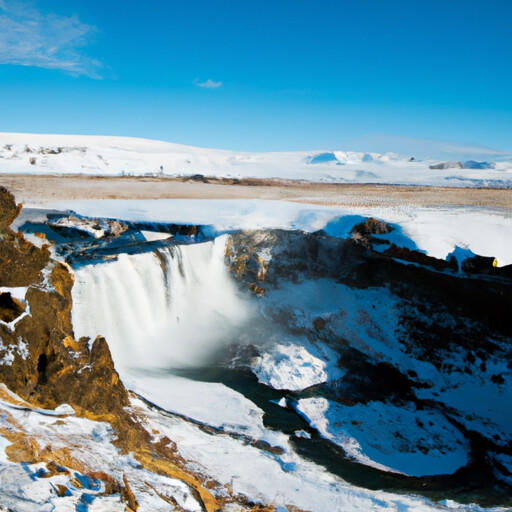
(468, 485)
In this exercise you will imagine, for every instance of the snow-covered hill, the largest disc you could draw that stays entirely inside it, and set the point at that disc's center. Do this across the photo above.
(118, 156)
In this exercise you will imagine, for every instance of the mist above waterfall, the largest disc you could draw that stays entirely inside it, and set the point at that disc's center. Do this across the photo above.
(176, 307)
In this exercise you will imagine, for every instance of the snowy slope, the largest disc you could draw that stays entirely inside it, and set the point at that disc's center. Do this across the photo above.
(117, 156)
(30, 487)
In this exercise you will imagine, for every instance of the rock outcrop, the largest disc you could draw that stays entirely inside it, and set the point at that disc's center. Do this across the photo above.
(407, 328)
(54, 368)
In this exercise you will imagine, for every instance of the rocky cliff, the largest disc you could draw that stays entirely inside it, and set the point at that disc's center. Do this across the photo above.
(421, 352)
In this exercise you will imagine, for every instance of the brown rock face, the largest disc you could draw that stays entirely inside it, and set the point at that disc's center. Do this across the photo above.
(363, 232)
(9, 210)
(402, 253)
(371, 226)
(20, 261)
(45, 365)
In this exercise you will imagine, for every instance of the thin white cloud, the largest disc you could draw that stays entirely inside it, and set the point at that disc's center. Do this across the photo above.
(29, 37)
(209, 84)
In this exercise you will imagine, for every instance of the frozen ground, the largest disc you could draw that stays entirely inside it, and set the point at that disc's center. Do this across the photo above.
(367, 435)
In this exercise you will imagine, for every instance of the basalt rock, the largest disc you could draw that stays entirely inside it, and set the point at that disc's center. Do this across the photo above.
(363, 232)
(478, 265)
(270, 257)
(371, 226)
(446, 165)
(402, 253)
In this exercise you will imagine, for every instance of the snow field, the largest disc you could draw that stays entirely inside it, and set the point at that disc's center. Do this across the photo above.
(120, 156)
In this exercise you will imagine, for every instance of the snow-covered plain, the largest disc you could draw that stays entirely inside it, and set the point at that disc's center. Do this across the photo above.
(121, 156)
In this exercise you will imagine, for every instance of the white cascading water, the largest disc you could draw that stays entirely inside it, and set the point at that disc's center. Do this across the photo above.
(173, 308)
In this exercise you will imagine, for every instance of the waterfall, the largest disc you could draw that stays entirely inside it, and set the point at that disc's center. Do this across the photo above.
(175, 307)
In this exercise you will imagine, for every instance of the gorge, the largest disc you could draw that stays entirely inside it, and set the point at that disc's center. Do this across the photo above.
(259, 369)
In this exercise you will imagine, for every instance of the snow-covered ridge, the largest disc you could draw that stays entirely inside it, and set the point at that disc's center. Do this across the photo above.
(120, 156)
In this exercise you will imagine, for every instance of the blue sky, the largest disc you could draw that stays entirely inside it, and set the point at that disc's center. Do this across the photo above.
(261, 74)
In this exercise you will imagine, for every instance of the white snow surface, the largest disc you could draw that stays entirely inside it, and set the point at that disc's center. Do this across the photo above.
(3, 445)
(399, 439)
(436, 231)
(151, 236)
(116, 156)
(206, 403)
(295, 366)
(289, 367)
